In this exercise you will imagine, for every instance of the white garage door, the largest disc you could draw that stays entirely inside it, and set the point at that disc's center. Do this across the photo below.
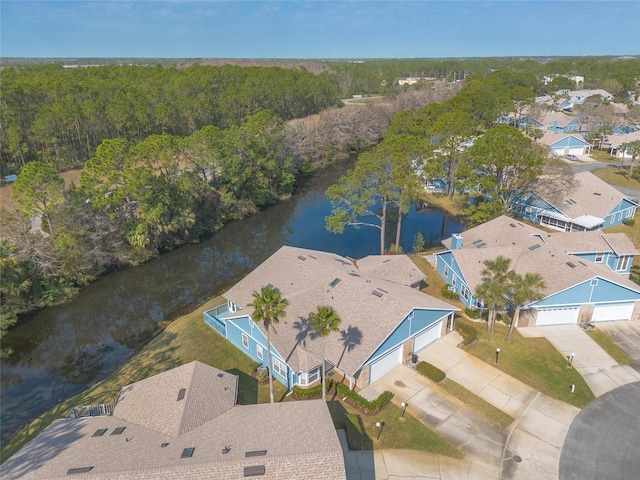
(557, 316)
(607, 313)
(385, 363)
(425, 338)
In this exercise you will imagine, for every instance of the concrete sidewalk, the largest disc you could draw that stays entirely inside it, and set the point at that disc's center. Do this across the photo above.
(601, 372)
(402, 464)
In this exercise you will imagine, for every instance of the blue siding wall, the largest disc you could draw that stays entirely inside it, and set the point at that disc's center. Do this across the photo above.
(413, 323)
(446, 263)
(621, 212)
(604, 291)
(235, 328)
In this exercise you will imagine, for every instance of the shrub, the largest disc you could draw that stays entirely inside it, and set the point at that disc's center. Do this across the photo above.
(473, 313)
(430, 371)
(446, 293)
(305, 393)
(630, 221)
(370, 406)
(468, 332)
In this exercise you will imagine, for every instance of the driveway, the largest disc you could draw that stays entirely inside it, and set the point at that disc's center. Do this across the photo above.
(601, 372)
(603, 440)
(529, 448)
(627, 336)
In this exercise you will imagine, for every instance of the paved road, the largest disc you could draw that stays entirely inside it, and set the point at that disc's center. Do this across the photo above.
(602, 441)
(587, 164)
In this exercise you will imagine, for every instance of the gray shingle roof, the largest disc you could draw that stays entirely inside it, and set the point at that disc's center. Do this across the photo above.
(590, 196)
(307, 285)
(292, 433)
(517, 241)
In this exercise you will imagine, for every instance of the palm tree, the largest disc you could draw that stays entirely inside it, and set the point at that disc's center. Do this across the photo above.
(492, 294)
(269, 308)
(324, 321)
(527, 288)
(496, 277)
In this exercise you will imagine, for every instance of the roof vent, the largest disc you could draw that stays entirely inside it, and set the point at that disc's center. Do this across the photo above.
(256, 453)
(387, 260)
(572, 265)
(181, 394)
(165, 444)
(220, 375)
(597, 193)
(302, 258)
(513, 225)
(533, 247)
(71, 471)
(254, 470)
(226, 449)
(377, 293)
(334, 282)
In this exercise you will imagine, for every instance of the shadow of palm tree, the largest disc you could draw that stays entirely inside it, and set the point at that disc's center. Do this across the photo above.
(305, 331)
(350, 338)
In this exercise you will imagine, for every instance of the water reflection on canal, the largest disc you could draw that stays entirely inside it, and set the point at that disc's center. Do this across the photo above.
(61, 350)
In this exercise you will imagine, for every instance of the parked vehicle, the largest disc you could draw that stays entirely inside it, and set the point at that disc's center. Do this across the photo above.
(573, 158)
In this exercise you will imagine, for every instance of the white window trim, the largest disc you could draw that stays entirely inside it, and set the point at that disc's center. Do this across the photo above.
(446, 271)
(259, 352)
(245, 340)
(623, 263)
(464, 291)
(454, 280)
(314, 372)
(279, 367)
(599, 257)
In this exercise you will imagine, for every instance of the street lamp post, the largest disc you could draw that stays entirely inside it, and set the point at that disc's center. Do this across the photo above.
(497, 354)
(379, 425)
(571, 358)
(404, 407)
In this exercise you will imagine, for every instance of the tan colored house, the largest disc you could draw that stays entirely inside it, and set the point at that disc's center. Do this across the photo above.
(185, 424)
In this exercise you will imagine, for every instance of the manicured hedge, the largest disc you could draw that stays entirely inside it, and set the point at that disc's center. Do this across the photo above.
(370, 406)
(430, 371)
(473, 313)
(315, 391)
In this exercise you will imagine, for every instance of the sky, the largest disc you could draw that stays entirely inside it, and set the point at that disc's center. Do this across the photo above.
(317, 28)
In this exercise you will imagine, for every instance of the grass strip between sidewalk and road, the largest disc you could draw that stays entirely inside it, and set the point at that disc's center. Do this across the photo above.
(609, 346)
(484, 408)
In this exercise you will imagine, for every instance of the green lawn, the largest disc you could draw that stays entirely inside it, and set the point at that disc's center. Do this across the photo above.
(396, 433)
(617, 176)
(183, 341)
(609, 346)
(189, 338)
(484, 408)
(535, 362)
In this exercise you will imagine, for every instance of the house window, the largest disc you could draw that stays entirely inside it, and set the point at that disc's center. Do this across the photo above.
(465, 292)
(245, 340)
(302, 378)
(527, 210)
(232, 306)
(260, 352)
(599, 257)
(594, 282)
(279, 367)
(446, 271)
(620, 216)
(629, 213)
(454, 280)
(623, 263)
(314, 375)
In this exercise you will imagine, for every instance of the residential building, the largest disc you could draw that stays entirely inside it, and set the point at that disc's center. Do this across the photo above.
(585, 273)
(186, 424)
(385, 317)
(592, 204)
